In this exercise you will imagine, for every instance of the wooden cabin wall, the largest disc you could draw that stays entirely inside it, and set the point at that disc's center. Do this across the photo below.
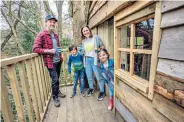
(170, 68)
(106, 33)
(134, 105)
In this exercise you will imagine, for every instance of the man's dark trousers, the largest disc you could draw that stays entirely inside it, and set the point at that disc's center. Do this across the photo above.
(54, 74)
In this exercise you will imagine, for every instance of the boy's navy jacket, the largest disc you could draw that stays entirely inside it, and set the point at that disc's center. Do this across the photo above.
(110, 70)
(77, 62)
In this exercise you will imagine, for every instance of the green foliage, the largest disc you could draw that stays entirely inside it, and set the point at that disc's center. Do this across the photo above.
(28, 37)
(66, 42)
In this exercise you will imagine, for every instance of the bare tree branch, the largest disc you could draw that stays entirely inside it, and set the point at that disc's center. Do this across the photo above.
(6, 40)
(47, 7)
(33, 31)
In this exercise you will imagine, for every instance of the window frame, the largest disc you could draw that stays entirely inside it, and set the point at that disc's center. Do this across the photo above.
(143, 86)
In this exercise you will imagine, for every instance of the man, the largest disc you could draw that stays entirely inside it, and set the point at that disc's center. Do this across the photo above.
(47, 44)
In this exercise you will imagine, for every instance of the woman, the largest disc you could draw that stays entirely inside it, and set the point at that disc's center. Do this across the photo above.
(91, 44)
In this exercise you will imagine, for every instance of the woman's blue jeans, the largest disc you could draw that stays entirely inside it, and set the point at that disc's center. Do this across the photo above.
(90, 69)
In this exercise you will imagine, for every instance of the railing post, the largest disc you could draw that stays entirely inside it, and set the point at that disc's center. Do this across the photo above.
(16, 92)
(6, 107)
(32, 86)
(35, 78)
(25, 86)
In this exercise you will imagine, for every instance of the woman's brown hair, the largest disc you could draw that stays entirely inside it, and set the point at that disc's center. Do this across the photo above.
(82, 35)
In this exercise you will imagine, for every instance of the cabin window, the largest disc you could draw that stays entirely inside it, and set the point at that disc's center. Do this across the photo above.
(135, 56)
(137, 37)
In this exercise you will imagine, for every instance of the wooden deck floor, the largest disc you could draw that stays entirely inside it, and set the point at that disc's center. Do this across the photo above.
(79, 109)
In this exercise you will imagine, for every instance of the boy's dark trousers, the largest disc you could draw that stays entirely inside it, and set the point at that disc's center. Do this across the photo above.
(54, 74)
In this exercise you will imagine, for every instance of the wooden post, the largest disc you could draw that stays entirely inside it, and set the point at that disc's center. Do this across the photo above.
(25, 86)
(16, 92)
(132, 39)
(156, 43)
(117, 59)
(32, 87)
(5, 102)
(37, 88)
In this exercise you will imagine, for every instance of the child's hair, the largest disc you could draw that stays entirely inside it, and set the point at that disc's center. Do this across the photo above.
(104, 50)
(72, 47)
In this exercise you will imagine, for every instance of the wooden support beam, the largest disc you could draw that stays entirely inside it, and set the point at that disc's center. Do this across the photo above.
(156, 43)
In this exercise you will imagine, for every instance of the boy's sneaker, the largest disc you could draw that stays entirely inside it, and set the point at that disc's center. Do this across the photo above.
(92, 91)
(56, 102)
(72, 95)
(83, 94)
(89, 92)
(101, 96)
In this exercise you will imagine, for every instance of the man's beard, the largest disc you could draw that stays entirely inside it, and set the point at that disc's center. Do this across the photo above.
(51, 28)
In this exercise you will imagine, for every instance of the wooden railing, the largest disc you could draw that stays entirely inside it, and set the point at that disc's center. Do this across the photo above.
(26, 88)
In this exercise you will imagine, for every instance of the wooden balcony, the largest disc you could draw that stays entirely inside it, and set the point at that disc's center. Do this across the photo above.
(26, 95)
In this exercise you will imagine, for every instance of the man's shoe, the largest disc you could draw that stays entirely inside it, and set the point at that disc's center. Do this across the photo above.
(72, 95)
(101, 96)
(61, 95)
(56, 102)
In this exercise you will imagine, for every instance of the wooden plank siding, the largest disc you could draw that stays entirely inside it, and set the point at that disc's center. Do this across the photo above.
(171, 67)
(168, 109)
(107, 11)
(140, 107)
(173, 18)
(96, 7)
(172, 44)
(171, 5)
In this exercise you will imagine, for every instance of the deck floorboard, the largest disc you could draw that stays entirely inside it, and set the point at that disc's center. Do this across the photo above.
(79, 109)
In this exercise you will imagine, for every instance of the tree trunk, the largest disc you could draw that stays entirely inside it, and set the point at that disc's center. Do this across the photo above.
(80, 14)
(59, 9)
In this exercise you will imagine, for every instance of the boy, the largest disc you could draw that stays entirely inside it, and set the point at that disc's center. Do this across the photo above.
(77, 61)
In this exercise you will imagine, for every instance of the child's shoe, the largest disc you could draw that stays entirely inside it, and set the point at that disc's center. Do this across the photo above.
(83, 94)
(110, 106)
(101, 96)
(90, 91)
(73, 95)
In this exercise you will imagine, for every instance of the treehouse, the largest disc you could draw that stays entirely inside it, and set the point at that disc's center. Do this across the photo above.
(145, 38)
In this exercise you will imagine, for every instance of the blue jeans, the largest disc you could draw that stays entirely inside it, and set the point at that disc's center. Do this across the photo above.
(78, 74)
(90, 68)
(111, 89)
